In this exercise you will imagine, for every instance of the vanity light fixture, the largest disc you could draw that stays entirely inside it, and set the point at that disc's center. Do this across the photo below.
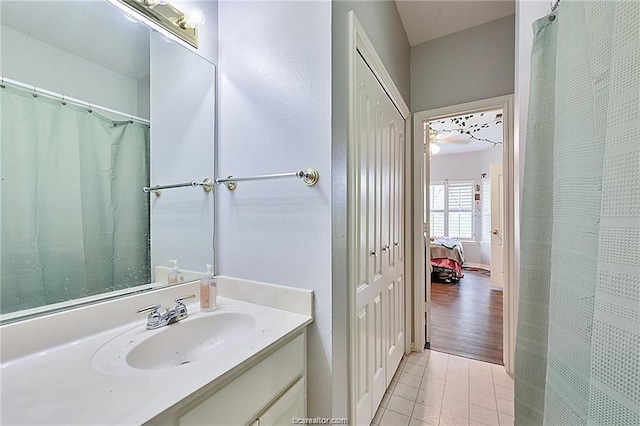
(183, 25)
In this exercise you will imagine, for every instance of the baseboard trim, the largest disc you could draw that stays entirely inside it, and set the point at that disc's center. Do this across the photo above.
(478, 265)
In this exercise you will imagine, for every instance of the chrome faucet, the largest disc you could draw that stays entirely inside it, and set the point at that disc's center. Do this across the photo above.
(157, 320)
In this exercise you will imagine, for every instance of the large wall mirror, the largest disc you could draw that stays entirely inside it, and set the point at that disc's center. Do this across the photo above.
(94, 106)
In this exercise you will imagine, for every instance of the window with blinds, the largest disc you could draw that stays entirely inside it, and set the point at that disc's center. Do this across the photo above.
(451, 210)
(486, 210)
(437, 212)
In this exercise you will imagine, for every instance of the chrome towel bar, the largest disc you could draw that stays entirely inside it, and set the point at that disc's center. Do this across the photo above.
(310, 177)
(206, 184)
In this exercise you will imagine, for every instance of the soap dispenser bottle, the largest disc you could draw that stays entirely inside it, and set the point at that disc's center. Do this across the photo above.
(175, 276)
(208, 291)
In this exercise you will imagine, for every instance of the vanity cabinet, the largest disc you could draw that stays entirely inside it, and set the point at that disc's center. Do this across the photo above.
(270, 391)
(291, 404)
(257, 378)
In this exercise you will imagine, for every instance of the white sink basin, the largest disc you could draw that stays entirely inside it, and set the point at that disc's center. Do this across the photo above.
(184, 342)
(198, 337)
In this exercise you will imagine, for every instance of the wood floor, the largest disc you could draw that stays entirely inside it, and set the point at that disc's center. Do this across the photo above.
(466, 318)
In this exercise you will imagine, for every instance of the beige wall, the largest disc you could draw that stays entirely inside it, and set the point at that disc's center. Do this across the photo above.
(467, 66)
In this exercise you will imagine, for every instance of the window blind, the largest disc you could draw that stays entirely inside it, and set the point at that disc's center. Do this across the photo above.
(460, 204)
(451, 212)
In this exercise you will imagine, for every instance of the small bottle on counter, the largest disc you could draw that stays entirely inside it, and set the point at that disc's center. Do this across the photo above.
(175, 276)
(208, 291)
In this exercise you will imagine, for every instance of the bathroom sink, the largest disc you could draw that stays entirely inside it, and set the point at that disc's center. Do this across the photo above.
(188, 341)
(198, 337)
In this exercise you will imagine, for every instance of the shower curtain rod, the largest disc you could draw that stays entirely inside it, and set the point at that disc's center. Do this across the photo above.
(37, 91)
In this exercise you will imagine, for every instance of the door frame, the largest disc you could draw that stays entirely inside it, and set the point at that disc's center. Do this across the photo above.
(421, 171)
(359, 44)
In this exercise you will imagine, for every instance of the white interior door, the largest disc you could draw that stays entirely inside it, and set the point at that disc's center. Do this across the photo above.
(379, 310)
(426, 234)
(497, 227)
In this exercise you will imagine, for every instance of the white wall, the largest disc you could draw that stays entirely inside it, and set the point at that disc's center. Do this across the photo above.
(381, 21)
(469, 166)
(144, 96)
(274, 82)
(465, 66)
(466, 165)
(182, 150)
(31, 61)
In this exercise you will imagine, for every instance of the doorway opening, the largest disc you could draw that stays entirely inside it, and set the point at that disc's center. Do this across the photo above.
(464, 233)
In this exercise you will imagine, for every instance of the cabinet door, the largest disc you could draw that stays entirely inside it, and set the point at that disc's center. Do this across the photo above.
(290, 405)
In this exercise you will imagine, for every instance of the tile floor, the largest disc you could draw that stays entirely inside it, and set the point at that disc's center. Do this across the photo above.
(434, 388)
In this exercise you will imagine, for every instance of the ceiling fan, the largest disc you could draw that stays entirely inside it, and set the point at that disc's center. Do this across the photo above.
(437, 138)
(463, 132)
(448, 137)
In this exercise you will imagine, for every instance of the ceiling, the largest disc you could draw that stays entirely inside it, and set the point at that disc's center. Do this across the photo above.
(455, 142)
(93, 30)
(426, 20)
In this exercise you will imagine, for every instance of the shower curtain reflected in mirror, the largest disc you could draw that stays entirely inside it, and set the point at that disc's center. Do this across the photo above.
(578, 338)
(75, 221)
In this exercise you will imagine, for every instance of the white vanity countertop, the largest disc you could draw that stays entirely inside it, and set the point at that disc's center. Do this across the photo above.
(60, 385)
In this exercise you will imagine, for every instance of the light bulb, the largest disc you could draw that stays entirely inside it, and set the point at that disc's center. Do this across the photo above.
(194, 18)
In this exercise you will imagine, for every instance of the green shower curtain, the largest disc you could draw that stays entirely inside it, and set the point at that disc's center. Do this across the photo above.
(578, 337)
(75, 221)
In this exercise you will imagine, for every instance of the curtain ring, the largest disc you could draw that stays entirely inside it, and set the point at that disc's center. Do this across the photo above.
(35, 92)
(63, 101)
(2, 86)
(90, 109)
(131, 119)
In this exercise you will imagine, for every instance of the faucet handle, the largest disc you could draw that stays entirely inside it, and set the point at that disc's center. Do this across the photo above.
(151, 308)
(183, 298)
(181, 308)
(154, 318)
